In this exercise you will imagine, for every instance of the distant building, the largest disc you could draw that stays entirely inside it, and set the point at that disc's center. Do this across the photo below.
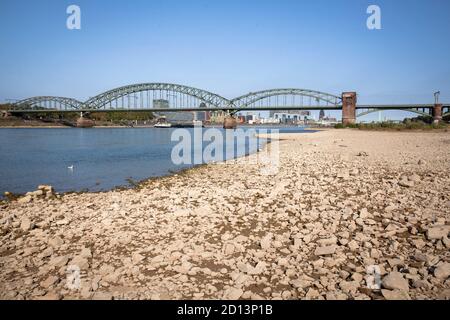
(217, 117)
(295, 112)
(328, 121)
(202, 115)
(321, 114)
(161, 104)
(171, 116)
(290, 117)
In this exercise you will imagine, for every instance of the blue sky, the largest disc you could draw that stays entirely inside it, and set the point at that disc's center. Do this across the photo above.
(229, 47)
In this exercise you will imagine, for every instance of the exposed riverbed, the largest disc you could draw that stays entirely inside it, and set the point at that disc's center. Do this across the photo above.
(345, 207)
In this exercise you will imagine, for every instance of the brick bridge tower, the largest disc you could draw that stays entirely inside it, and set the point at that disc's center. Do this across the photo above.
(437, 113)
(348, 108)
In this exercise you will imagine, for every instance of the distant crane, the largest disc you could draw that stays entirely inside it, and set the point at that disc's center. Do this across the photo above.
(436, 97)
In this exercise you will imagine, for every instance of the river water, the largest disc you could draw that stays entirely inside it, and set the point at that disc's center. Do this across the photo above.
(102, 158)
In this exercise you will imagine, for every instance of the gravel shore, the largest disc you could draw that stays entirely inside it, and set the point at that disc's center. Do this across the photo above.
(345, 209)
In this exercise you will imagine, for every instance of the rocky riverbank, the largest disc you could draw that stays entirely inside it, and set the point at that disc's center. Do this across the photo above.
(345, 208)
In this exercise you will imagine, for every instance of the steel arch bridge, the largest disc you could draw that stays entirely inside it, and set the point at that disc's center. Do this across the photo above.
(286, 98)
(49, 103)
(420, 111)
(155, 96)
(446, 113)
(166, 97)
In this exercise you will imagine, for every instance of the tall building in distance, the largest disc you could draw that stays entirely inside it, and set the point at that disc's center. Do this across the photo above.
(321, 114)
(171, 116)
(292, 116)
(201, 115)
(161, 104)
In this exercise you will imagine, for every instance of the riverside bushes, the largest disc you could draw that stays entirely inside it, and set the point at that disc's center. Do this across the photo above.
(407, 125)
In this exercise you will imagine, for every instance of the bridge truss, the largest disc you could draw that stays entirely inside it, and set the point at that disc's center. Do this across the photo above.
(155, 96)
(48, 103)
(285, 99)
(446, 111)
(423, 110)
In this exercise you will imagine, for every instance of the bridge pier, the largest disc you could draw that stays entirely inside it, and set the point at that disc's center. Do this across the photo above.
(229, 122)
(348, 108)
(83, 122)
(437, 113)
(5, 114)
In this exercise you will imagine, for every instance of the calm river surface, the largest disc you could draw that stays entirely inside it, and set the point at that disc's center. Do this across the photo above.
(102, 158)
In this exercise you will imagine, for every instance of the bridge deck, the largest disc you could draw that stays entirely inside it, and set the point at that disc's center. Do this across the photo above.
(231, 108)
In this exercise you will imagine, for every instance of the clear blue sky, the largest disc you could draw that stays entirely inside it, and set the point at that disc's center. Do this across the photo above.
(230, 47)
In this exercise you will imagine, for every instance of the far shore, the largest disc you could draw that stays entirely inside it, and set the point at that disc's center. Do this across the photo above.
(429, 130)
(143, 127)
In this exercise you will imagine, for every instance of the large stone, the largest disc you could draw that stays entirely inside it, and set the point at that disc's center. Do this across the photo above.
(25, 224)
(49, 282)
(395, 294)
(33, 194)
(136, 258)
(395, 281)
(442, 271)
(86, 253)
(48, 190)
(438, 232)
(300, 283)
(446, 242)
(323, 251)
(102, 296)
(106, 269)
(29, 251)
(80, 262)
(283, 262)
(266, 242)
(404, 182)
(228, 249)
(243, 267)
(353, 245)
(233, 294)
(184, 268)
(312, 294)
(62, 222)
(25, 199)
(258, 269)
(363, 213)
(421, 284)
(50, 296)
(59, 261)
(350, 287)
(112, 277)
(55, 242)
